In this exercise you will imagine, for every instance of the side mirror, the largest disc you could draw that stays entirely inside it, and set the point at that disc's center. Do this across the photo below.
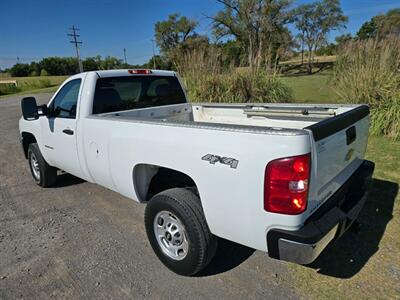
(29, 108)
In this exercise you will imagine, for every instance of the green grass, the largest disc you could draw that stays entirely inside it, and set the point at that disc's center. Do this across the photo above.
(367, 264)
(312, 88)
(364, 265)
(29, 85)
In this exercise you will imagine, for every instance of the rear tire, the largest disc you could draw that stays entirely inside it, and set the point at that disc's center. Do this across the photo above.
(43, 174)
(178, 231)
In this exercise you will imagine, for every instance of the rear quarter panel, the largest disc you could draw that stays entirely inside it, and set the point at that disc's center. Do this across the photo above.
(232, 199)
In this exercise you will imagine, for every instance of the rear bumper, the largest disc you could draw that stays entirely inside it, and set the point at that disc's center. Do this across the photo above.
(328, 223)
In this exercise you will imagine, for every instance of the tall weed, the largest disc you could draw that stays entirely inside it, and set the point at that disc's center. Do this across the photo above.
(207, 81)
(369, 72)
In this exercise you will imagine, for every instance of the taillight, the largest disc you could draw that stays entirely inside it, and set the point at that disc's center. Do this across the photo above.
(140, 71)
(286, 185)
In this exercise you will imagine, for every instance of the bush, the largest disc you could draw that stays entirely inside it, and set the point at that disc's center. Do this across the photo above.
(368, 71)
(208, 81)
(43, 72)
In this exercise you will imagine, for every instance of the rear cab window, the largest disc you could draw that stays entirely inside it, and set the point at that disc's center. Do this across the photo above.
(132, 92)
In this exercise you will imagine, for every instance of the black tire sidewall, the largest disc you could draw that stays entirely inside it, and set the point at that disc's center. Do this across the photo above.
(189, 264)
(39, 160)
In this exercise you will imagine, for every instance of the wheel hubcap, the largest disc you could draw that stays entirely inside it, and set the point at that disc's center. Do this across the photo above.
(35, 166)
(171, 235)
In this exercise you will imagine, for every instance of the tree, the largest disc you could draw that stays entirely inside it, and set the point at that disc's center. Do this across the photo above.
(43, 72)
(315, 20)
(173, 32)
(231, 53)
(91, 63)
(327, 49)
(367, 30)
(389, 24)
(381, 26)
(59, 65)
(256, 24)
(20, 70)
(110, 63)
(158, 62)
(343, 39)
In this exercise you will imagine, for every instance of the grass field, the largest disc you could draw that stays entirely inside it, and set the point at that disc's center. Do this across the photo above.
(34, 84)
(363, 265)
(314, 88)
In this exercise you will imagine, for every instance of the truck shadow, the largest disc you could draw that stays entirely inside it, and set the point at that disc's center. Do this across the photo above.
(347, 256)
(229, 255)
(65, 179)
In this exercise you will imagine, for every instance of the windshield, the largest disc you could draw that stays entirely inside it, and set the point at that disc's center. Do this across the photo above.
(125, 93)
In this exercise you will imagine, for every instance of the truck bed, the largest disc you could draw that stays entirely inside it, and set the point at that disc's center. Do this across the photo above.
(260, 118)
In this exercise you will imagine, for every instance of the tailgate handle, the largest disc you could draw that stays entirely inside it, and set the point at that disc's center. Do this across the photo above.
(351, 135)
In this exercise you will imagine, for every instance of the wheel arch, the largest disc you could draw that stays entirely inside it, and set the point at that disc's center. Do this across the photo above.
(27, 139)
(149, 180)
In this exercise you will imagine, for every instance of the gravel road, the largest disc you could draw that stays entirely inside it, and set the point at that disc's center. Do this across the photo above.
(78, 241)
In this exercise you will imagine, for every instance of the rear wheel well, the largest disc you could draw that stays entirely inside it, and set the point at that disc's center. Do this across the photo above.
(150, 180)
(27, 139)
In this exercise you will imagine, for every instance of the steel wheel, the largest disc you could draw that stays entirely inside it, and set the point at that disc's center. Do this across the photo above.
(171, 235)
(34, 166)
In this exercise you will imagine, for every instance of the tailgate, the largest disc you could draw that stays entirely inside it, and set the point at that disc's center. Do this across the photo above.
(338, 149)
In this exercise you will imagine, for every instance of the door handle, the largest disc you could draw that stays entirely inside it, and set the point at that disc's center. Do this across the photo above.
(68, 131)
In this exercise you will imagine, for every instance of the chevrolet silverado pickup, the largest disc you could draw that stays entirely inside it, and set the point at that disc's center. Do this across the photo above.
(286, 179)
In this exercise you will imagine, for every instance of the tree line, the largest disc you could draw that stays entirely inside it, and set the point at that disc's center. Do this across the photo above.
(66, 66)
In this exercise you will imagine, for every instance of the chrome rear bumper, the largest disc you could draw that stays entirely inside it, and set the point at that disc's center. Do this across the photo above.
(302, 253)
(327, 224)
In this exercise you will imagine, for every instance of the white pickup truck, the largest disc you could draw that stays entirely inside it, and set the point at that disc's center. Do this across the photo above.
(286, 179)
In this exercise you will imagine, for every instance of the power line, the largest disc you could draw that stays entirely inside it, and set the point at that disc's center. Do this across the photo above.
(75, 41)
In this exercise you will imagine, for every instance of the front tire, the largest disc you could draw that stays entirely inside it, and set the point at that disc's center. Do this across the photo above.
(43, 174)
(178, 232)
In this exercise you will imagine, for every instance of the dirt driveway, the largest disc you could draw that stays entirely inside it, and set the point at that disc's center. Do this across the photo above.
(79, 240)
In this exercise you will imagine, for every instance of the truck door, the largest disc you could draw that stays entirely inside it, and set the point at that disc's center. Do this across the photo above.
(59, 129)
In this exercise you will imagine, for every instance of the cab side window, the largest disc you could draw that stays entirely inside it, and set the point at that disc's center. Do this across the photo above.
(65, 103)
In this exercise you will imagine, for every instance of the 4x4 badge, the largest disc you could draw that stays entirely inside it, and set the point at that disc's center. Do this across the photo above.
(233, 163)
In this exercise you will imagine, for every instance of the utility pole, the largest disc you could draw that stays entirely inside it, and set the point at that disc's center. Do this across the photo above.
(17, 59)
(125, 56)
(75, 41)
(154, 55)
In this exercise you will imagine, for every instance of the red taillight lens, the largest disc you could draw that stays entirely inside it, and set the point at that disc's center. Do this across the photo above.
(286, 185)
(140, 71)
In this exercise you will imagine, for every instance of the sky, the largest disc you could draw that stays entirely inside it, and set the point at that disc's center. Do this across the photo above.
(32, 30)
